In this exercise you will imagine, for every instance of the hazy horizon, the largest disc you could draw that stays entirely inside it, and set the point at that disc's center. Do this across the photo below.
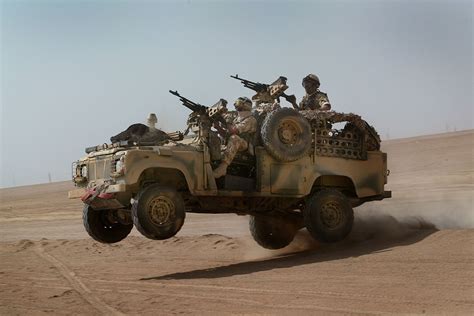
(75, 73)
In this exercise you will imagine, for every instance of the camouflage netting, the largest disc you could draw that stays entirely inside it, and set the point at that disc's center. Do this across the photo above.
(353, 141)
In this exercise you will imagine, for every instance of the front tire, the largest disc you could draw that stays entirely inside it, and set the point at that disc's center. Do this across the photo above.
(272, 232)
(328, 216)
(158, 213)
(103, 226)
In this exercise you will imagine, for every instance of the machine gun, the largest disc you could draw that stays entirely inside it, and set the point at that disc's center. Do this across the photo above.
(193, 106)
(269, 92)
(213, 113)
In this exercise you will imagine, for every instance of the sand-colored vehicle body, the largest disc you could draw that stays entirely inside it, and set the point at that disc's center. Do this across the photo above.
(187, 168)
(303, 173)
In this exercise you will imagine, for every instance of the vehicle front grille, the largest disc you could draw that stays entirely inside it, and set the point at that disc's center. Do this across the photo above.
(100, 168)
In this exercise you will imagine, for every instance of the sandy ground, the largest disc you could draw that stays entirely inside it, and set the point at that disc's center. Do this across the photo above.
(413, 253)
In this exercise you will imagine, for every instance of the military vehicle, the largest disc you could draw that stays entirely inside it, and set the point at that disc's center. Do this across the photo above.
(302, 172)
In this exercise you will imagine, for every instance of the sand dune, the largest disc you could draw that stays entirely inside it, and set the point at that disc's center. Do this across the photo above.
(413, 253)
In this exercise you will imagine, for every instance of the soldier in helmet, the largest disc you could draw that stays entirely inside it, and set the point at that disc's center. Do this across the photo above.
(241, 132)
(314, 99)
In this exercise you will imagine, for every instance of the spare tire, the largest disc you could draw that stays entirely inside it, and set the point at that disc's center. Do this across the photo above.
(286, 134)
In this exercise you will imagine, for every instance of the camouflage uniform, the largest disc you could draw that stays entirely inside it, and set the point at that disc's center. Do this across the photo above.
(245, 125)
(264, 108)
(229, 117)
(243, 128)
(268, 100)
(314, 99)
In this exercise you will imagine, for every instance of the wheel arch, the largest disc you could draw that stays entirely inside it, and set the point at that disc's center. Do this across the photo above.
(169, 177)
(342, 183)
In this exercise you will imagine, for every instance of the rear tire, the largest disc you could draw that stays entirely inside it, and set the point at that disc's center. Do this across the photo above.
(328, 216)
(103, 227)
(272, 232)
(158, 213)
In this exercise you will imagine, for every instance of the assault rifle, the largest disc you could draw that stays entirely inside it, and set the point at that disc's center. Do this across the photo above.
(269, 92)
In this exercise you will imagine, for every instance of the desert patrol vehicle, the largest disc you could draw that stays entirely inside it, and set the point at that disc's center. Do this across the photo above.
(301, 172)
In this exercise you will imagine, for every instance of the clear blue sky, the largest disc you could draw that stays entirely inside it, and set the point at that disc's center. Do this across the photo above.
(74, 73)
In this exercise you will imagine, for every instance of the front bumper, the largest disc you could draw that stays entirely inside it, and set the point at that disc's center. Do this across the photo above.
(101, 197)
(113, 188)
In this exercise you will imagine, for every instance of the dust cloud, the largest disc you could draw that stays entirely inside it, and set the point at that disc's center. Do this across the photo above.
(370, 226)
(302, 242)
(445, 211)
(383, 222)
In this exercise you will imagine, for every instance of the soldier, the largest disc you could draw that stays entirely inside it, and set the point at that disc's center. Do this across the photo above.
(242, 130)
(314, 99)
(264, 107)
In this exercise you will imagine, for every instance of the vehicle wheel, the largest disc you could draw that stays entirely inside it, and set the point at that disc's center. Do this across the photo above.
(286, 134)
(158, 213)
(104, 225)
(328, 216)
(272, 232)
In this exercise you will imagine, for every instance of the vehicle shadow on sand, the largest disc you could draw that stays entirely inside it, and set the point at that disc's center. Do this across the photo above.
(369, 236)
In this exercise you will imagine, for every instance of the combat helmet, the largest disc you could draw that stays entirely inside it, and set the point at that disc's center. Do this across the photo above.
(243, 104)
(311, 79)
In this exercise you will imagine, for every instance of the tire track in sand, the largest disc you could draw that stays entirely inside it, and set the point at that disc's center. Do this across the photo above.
(77, 284)
(312, 293)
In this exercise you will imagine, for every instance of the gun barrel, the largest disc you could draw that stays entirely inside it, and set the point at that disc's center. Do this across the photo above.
(193, 106)
(175, 93)
(255, 86)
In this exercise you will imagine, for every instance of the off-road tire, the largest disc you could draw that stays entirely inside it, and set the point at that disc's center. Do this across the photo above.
(101, 229)
(286, 134)
(272, 232)
(328, 216)
(158, 212)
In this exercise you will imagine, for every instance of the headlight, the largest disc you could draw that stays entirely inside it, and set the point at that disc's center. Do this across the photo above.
(79, 172)
(119, 167)
(84, 171)
(74, 169)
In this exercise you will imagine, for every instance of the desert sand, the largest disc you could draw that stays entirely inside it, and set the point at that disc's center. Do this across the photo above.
(413, 253)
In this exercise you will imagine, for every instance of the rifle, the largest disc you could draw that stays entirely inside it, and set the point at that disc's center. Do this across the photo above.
(263, 87)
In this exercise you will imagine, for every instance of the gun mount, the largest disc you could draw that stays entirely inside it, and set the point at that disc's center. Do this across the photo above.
(268, 93)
